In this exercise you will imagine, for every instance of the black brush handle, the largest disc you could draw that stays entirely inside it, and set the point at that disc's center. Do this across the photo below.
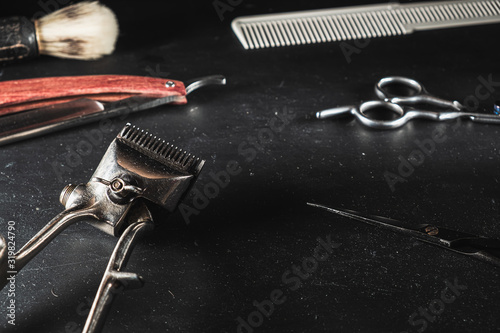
(17, 39)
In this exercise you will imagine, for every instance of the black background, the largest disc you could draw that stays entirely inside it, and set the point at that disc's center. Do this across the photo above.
(202, 276)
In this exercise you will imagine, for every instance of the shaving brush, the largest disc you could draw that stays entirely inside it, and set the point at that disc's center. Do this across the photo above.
(84, 31)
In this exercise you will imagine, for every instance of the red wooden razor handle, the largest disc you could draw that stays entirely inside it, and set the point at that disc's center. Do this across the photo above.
(25, 94)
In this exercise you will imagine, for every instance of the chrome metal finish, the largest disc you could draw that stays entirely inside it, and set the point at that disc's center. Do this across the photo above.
(402, 108)
(138, 169)
(418, 95)
(115, 279)
(360, 22)
(216, 80)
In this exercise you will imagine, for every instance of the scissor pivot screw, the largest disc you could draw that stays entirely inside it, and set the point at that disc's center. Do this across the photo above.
(117, 185)
(170, 84)
(431, 230)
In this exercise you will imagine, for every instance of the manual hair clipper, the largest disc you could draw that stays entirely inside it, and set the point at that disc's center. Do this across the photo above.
(137, 170)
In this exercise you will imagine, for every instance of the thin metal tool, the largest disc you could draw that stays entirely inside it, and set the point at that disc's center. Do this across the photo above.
(395, 110)
(36, 122)
(138, 170)
(485, 249)
(360, 22)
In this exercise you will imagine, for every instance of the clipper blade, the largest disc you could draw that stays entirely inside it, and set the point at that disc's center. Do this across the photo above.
(161, 172)
(160, 150)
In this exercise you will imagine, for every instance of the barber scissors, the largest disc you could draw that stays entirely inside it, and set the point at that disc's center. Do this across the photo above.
(398, 98)
(481, 248)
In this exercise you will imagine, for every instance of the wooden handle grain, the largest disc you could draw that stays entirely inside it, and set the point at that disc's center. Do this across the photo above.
(20, 95)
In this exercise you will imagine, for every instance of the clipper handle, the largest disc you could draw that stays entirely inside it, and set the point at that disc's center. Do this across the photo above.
(3, 262)
(115, 279)
(38, 242)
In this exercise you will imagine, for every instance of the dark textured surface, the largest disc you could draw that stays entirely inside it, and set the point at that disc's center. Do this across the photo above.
(201, 277)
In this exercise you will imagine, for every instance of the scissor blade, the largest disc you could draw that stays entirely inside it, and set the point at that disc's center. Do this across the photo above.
(377, 221)
(416, 231)
(485, 249)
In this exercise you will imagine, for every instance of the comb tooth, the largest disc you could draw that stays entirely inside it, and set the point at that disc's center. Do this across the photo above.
(480, 8)
(171, 152)
(300, 33)
(181, 157)
(496, 5)
(273, 38)
(428, 15)
(312, 28)
(249, 44)
(348, 26)
(135, 133)
(306, 32)
(153, 142)
(126, 131)
(167, 150)
(336, 33)
(175, 153)
(471, 9)
(453, 12)
(492, 8)
(388, 24)
(146, 138)
(368, 27)
(254, 44)
(262, 33)
(184, 158)
(189, 159)
(339, 28)
(403, 18)
(486, 9)
(324, 30)
(279, 37)
(381, 26)
(463, 10)
(157, 146)
(437, 12)
(359, 26)
(288, 32)
(139, 137)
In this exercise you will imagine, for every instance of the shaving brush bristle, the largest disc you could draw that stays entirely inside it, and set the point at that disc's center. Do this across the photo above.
(85, 31)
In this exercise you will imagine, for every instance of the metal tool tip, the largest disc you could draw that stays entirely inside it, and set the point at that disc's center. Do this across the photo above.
(320, 206)
(457, 105)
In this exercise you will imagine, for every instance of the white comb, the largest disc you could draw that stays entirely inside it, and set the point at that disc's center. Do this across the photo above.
(360, 22)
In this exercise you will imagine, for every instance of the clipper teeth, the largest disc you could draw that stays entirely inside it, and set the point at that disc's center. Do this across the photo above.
(160, 150)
